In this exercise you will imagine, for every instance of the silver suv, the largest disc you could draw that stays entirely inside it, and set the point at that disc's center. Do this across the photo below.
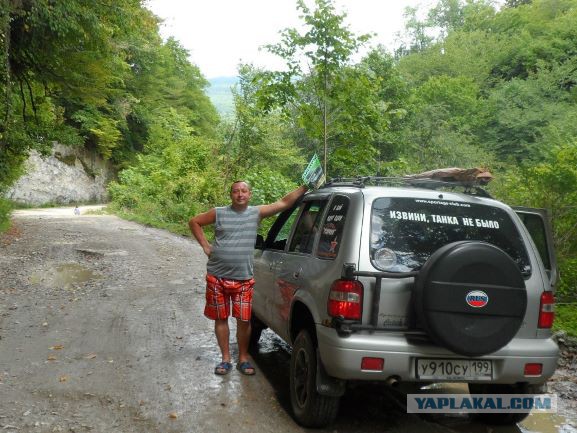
(407, 281)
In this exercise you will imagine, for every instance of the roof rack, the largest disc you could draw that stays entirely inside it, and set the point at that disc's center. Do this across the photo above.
(471, 188)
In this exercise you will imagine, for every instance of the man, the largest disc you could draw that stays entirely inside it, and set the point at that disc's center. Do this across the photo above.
(229, 276)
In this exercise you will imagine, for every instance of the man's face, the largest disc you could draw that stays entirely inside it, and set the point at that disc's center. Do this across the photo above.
(240, 194)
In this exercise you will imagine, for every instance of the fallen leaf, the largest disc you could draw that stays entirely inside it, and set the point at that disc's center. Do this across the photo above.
(57, 347)
(51, 358)
(90, 356)
(173, 415)
(63, 378)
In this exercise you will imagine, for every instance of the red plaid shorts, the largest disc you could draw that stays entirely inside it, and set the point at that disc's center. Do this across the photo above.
(220, 292)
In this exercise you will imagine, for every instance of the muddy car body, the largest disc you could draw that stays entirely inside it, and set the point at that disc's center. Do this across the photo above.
(408, 283)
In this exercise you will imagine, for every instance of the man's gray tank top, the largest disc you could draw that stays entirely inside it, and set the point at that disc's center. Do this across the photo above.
(233, 246)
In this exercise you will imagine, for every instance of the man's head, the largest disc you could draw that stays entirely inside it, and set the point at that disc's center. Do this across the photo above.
(240, 194)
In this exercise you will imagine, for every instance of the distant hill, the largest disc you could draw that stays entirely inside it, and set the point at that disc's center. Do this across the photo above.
(220, 94)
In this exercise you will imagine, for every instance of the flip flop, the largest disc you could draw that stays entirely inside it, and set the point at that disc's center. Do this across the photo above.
(246, 367)
(223, 368)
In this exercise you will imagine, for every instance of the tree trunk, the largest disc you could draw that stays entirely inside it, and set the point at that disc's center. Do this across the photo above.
(6, 76)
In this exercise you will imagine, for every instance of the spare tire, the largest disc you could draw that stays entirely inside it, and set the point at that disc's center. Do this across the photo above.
(470, 297)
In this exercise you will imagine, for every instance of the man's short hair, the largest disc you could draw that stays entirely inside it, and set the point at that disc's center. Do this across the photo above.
(241, 181)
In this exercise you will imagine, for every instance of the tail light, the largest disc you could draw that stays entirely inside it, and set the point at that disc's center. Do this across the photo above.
(346, 299)
(547, 310)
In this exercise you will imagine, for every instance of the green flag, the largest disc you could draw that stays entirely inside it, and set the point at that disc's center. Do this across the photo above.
(313, 176)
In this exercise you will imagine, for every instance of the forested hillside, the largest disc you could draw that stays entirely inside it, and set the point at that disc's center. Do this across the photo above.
(93, 74)
(471, 85)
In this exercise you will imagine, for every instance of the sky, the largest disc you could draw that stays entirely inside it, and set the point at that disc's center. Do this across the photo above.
(221, 34)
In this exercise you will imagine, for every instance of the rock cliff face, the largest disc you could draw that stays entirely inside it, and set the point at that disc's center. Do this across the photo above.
(67, 176)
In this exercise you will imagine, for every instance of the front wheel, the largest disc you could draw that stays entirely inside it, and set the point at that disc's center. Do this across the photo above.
(310, 408)
(505, 418)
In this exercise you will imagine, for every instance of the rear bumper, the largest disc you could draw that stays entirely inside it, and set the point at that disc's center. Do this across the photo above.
(342, 357)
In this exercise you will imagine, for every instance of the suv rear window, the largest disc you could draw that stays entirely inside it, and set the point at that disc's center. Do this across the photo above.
(408, 231)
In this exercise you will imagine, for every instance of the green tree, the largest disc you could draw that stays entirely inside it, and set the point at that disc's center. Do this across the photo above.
(256, 141)
(551, 184)
(440, 129)
(312, 95)
(176, 177)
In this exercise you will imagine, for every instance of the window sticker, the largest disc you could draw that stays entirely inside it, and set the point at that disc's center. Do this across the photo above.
(332, 229)
(443, 219)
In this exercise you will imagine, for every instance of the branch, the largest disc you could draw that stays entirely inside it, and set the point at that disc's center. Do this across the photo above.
(7, 98)
(31, 99)
(233, 133)
(23, 97)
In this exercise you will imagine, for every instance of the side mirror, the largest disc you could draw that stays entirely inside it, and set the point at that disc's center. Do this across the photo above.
(259, 244)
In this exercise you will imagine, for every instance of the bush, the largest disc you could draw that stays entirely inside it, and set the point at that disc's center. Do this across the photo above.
(5, 209)
(268, 187)
(567, 287)
(566, 318)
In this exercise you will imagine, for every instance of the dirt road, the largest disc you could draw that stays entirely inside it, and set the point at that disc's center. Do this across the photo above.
(101, 330)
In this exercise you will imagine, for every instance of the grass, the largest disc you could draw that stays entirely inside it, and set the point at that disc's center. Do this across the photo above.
(103, 211)
(5, 209)
(147, 220)
(19, 205)
(566, 318)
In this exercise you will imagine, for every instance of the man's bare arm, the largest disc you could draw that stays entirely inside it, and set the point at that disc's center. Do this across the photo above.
(284, 203)
(197, 222)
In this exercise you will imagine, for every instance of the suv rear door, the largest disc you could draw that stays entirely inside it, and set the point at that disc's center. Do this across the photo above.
(293, 270)
(538, 224)
(266, 263)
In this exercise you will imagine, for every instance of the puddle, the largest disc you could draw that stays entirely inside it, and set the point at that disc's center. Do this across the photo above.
(546, 423)
(102, 252)
(536, 422)
(64, 276)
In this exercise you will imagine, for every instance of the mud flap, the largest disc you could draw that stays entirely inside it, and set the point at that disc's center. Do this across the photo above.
(327, 385)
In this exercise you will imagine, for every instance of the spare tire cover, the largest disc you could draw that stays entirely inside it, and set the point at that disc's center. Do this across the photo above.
(470, 297)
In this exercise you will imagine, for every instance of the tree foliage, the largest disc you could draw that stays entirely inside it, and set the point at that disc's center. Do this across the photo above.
(497, 88)
(93, 74)
(317, 78)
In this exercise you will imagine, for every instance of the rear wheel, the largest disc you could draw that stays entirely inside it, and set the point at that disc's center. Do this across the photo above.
(505, 418)
(310, 408)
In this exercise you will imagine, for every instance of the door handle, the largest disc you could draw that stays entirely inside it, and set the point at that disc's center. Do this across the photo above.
(274, 264)
(297, 274)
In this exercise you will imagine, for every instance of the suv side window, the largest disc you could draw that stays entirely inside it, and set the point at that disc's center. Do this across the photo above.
(307, 227)
(332, 228)
(280, 230)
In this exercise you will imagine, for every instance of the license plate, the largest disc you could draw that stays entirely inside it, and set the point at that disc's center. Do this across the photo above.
(454, 369)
